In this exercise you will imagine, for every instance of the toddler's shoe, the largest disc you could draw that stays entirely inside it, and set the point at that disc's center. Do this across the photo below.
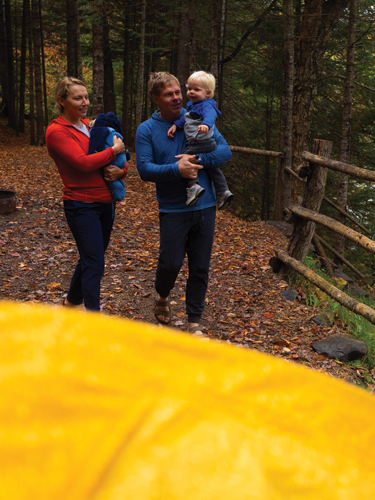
(193, 193)
(224, 198)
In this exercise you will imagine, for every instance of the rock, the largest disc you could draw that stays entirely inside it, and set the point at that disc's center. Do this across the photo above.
(343, 348)
(325, 318)
(289, 294)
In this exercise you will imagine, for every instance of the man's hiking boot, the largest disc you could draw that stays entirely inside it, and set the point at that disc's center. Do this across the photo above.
(224, 198)
(193, 193)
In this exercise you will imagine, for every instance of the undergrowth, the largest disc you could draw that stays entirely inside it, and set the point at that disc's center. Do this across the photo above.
(357, 325)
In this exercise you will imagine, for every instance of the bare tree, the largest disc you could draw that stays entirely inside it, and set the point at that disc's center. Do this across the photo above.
(215, 35)
(283, 181)
(183, 65)
(315, 26)
(109, 98)
(342, 196)
(11, 95)
(141, 67)
(126, 117)
(31, 80)
(43, 66)
(74, 56)
(40, 139)
(21, 109)
(97, 59)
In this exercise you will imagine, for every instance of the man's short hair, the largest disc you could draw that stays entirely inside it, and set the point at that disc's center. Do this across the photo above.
(207, 80)
(159, 80)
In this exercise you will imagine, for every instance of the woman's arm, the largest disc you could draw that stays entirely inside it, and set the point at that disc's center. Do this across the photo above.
(63, 142)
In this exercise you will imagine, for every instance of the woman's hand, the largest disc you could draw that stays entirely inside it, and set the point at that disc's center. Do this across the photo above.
(118, 145)
(113, 173)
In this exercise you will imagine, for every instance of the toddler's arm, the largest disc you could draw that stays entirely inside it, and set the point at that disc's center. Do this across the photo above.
(171, 131)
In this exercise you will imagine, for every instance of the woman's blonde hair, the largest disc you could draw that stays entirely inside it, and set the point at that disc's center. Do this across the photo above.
(159, 80)
(206, 79)
(62, 90)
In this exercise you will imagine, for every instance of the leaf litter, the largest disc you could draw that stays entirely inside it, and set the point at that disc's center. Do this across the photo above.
(244, 304)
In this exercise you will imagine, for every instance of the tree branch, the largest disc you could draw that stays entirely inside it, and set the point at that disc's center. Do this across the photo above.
(246, 35)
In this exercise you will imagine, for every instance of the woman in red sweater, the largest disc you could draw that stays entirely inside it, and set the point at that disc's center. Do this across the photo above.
(88, 204)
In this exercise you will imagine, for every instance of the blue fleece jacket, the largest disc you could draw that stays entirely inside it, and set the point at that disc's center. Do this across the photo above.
(205, 109)
(156, 162)
(101, 137)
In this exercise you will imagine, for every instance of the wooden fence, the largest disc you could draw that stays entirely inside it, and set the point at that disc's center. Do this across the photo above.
(307, 216)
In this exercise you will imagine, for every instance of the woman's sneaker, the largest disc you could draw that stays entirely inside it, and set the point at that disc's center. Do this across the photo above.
(224, 198)
(193, 193)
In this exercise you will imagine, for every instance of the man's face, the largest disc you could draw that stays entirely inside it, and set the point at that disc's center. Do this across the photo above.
(169, 102)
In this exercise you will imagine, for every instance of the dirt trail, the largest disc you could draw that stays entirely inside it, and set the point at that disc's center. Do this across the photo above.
(244, 304)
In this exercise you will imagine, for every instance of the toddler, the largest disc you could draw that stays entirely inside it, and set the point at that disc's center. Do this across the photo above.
(198, 124)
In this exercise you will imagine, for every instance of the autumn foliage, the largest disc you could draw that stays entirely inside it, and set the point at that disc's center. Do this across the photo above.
(244, 304)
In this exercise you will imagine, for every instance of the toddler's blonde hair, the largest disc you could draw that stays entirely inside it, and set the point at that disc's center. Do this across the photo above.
(206, 79)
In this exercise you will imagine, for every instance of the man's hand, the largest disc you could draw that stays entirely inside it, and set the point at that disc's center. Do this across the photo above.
(112, 173)
(188, 167)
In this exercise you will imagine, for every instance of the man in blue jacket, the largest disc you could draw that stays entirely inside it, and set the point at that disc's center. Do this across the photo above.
(182, 229)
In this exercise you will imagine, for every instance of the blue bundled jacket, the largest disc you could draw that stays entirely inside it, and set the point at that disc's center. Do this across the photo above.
(101, 137)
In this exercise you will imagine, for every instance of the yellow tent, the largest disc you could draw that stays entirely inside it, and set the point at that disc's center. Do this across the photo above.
(99, 408)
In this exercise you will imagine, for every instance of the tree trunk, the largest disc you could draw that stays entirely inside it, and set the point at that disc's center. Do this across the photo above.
(341, 297)
(265, 211)
(316, 25)
(21, 111)
(283, 181)
(148, 100)
(313, 195)
(3, 60)
(183, 69)
(38, 74)
(220, 78)
(11, 102)
(109, 98)
(74, 57)
(215, 8)
(193, 38)
(126, 119)
(31, 79)
(343, 180)
(141, 67)
(43, 67)
(97, 60)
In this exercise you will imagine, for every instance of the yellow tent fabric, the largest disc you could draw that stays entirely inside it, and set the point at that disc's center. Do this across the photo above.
(99, 408)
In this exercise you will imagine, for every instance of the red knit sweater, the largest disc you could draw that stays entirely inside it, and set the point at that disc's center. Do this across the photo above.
(81, 173)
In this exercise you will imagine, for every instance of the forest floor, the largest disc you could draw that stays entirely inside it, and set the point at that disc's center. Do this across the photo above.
(244, 304)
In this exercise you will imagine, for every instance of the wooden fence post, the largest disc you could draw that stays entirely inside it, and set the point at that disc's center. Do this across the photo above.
(312, 198)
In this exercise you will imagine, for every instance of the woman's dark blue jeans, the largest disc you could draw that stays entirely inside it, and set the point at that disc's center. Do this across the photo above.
(91, 225)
